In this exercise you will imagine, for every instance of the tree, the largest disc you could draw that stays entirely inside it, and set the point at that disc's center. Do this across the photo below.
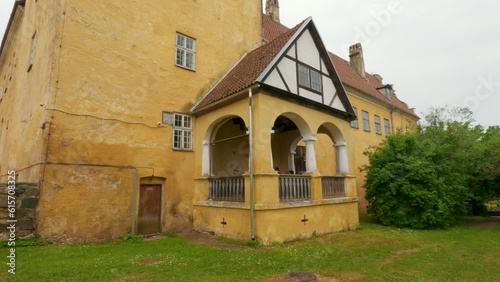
(423, 179)
(407, 187)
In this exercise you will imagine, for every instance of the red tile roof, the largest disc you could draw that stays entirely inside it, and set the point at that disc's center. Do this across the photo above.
(244, 74)
(271, 29)
(369, 85)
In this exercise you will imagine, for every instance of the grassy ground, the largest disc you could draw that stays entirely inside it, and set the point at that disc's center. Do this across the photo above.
(470, 252)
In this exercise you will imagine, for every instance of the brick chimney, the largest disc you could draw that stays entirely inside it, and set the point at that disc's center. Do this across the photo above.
(273, 9)
(356, 59)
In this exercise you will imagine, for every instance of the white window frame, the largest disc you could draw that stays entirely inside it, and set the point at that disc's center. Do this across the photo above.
(305, 78)
(387, 127)
(378, 127)
(184, 50)
(366, 120)
(182, 134)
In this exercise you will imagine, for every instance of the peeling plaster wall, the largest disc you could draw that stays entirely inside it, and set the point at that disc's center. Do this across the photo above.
(117, 75)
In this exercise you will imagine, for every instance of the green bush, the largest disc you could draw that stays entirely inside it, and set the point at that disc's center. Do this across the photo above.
(407, 188)
(446, 167)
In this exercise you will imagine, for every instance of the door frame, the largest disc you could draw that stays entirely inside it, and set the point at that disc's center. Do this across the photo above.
(151, 181)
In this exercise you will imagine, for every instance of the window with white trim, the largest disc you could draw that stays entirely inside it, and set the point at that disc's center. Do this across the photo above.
(185, 51)
(354, 123)
(387, 128)
(183, 132)
(378, 129)
(304, 76)
(309, 78)
(366, 121)
(315, 80)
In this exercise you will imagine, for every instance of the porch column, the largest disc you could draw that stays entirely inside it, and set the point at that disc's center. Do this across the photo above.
(342, 157)
(205, 158)
(291, 161)
(310, 155)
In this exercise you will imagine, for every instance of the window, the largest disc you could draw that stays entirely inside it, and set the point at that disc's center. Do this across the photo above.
(309, 78)
(366, 121)
(378, 129)
(32, 54)
(185, 52)
(387, 129)
(183, 132)
(304, 76)
(315, 80)
(354, 123)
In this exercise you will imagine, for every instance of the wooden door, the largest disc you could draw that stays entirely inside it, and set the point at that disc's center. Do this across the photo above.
(149, 209)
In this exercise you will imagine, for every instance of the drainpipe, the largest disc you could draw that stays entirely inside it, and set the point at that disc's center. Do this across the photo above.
(392, 119)
(250, 163)
(134, 204)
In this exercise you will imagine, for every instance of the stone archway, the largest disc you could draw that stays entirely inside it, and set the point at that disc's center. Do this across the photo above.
(225, 147)
(340, 145)
(287, 131)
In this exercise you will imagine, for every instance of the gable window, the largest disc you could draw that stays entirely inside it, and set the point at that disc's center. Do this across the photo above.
(316, 80)
(387, 129)
(354, 123)
(366, 121)
(183, 132)
(304, 76)
(185, 51)
(378, 129)
(309, 78)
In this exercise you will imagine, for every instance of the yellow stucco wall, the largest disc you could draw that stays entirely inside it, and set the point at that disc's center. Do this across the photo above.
(104, 72)
(26, 93)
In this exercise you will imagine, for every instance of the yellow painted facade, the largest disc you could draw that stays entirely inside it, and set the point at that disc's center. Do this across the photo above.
(84, 87)
(103, 73)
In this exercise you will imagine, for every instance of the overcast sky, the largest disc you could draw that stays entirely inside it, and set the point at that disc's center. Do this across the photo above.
(436, 53)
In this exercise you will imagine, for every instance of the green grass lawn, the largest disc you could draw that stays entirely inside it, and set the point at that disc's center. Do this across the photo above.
(372, 253)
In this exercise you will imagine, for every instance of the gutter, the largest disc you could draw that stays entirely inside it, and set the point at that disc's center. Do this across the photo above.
(250, 165)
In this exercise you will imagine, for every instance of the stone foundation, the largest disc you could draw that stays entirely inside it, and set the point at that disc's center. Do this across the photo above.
(26, 201)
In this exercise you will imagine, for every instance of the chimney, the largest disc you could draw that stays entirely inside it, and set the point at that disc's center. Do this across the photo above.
(356, 59)
(273, 9)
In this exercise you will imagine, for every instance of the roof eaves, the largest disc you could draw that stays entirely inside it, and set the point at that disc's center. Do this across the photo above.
(192, 110)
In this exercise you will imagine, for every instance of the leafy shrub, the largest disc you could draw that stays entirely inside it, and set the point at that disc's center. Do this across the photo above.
(407, 187)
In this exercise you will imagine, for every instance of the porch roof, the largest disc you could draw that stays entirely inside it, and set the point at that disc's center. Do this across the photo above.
(245, 73)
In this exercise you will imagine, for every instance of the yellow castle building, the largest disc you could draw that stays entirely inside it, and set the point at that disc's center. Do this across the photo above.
(130, 117)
